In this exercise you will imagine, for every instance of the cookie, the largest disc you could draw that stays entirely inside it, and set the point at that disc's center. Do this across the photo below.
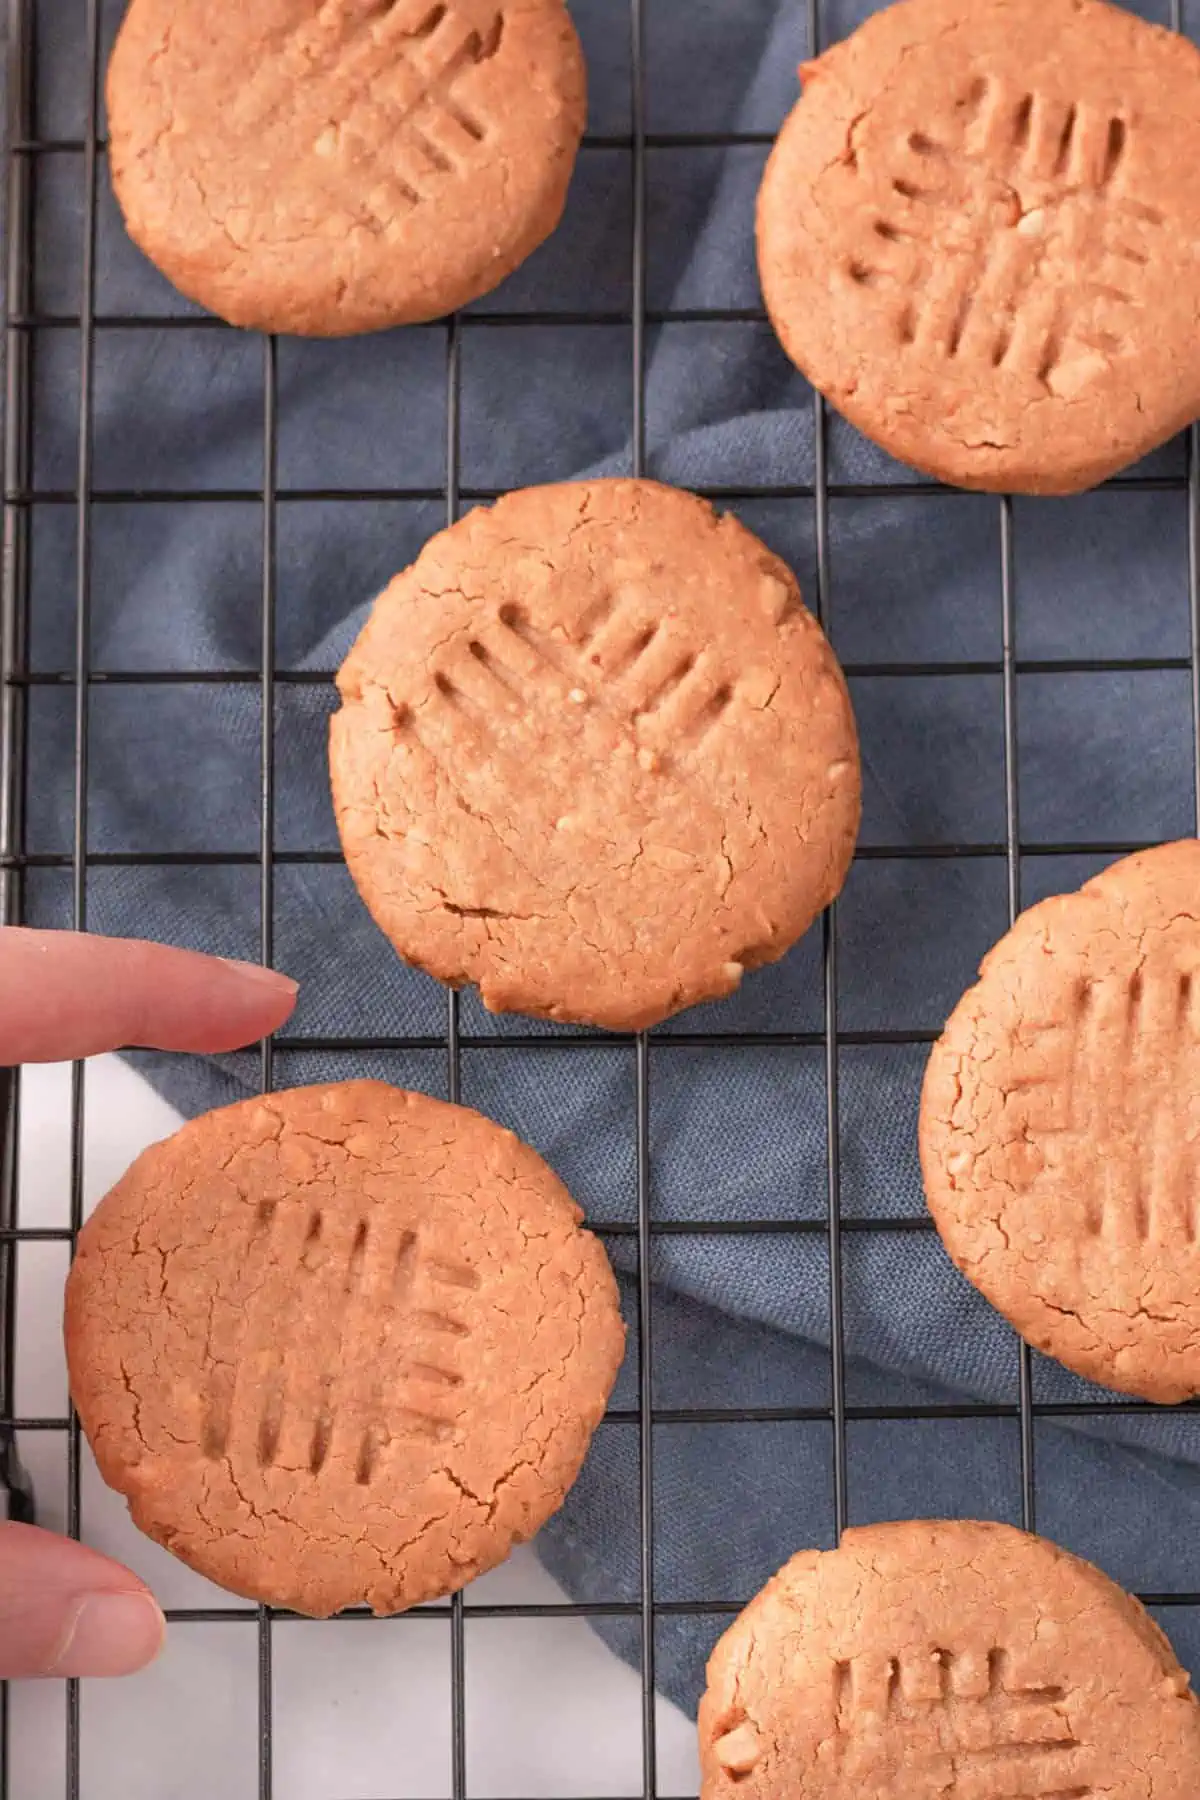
(332, 166)
(978, 234)
(594, 755)
(933, 1659)
(341, 1345)
(1060, 1126)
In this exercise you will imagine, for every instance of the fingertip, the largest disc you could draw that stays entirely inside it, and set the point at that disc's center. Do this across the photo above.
(65, 995)
(249, 1001)
(260, 976)
(109, 1633)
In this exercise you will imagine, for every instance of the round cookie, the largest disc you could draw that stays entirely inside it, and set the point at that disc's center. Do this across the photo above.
(340, 1345)
(594, 755)
(977, 235)
(939, 1658)
(1060, 1126)
(332, 166)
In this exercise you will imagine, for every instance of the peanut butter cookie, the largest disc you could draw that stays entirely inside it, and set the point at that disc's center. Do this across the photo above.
(979, 235)
(1060, 1126)
(340, 1345)
(594, 755)
(332, 166)
(946, 1658)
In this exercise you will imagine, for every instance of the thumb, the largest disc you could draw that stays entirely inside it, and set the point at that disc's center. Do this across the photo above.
(66, 1610)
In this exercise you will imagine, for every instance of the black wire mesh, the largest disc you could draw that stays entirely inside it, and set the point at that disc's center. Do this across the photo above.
(25, 326)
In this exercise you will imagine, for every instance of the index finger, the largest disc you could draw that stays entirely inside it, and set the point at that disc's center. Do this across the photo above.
(66, 994)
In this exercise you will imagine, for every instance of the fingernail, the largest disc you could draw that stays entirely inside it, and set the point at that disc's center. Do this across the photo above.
(265, 977)
(110, 1634)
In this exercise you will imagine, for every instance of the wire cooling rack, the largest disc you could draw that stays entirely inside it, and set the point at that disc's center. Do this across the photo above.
(26, 330)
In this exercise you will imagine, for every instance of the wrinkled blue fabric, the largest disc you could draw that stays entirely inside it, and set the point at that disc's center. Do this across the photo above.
(738, 1131)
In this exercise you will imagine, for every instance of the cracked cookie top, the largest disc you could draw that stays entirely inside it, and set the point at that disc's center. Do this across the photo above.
(594, 755)
(934, 1659)
(1060, 1126)
(979, 235)
(332, 166)
(341, 1345)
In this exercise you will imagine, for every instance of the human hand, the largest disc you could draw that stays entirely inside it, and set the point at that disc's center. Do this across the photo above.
(65, 1609)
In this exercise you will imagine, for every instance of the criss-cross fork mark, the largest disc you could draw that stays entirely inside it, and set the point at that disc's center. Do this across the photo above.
(973, 1724)
(394, 76)
(618, 657)
(973, 270)
(345, 1336)
(1107, 1082)
(433, 1298)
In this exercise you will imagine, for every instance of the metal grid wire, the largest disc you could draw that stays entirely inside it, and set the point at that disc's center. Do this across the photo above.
(22, 324)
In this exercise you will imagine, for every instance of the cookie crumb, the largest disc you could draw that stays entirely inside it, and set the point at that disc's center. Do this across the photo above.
(778, 597)
(739, 1750)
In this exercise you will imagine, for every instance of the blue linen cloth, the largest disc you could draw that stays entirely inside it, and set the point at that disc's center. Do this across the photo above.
(737, 1130)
